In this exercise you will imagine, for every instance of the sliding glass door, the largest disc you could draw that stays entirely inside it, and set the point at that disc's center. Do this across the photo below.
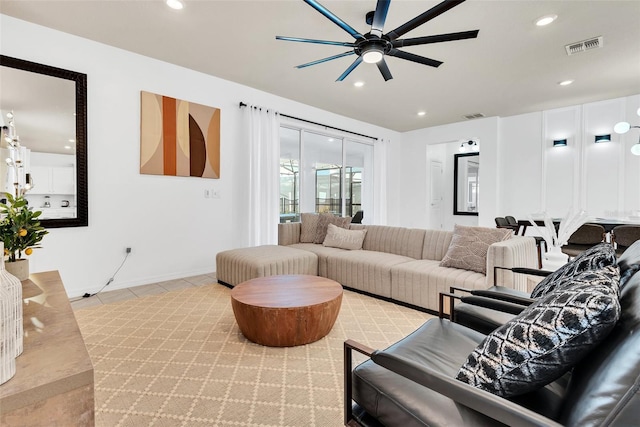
(323, 174)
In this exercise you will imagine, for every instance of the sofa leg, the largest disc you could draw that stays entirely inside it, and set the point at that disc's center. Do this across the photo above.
(348, 367)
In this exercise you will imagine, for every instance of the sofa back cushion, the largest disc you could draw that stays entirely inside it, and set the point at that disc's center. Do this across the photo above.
(436, 244)
(394, 240)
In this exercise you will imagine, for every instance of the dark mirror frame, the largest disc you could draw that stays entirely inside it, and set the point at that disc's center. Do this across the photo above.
(456, 157)
(82, 189)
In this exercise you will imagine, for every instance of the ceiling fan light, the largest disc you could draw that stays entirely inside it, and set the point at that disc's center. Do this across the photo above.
(372, 56)
(621, 127)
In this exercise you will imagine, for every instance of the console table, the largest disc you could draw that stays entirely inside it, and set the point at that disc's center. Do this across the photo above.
(53, 384)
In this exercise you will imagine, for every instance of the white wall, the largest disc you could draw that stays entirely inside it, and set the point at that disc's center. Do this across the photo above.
(521, 173)
(173, 230)
(414, 173)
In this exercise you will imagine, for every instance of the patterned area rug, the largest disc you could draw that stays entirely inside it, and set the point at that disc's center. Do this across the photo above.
(179, 359)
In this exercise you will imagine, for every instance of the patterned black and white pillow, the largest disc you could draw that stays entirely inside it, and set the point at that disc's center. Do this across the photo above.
(596, 257)
(550, 336)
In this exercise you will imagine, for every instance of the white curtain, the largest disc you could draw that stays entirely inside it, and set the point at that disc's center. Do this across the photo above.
(380, 153)
(264, 176)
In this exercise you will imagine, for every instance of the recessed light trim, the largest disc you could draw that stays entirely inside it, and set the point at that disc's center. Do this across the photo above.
(565, 82)
(175, 4)
(358, 84)
(422, 113)
(545, 20)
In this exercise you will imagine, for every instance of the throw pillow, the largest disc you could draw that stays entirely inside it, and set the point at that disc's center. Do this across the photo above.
(629, 263)
(550, 336)
(596, 257)
(469, 246)
(344, 239)
(326, 219)
(308, 226)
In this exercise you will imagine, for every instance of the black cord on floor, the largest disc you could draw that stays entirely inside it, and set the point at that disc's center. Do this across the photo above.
(87, 295)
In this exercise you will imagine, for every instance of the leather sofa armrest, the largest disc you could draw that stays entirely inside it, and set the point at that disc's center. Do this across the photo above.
(494, 304)
(493, 406)
(288, 233)
(501, 296)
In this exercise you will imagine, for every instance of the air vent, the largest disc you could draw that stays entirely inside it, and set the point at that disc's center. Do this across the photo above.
(583, 46)
(473, 116)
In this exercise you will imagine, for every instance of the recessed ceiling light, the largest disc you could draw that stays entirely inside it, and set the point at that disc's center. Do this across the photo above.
(422, 113)
(67, 147)
(72, 140)
(358, 84)
(545, 20)
(565, 82)
(175, 4)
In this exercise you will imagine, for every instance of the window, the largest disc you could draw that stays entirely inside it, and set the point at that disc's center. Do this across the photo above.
(323, 173)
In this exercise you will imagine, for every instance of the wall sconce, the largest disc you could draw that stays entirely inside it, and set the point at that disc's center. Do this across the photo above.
(559, 142)
(603, 138)
(624, 127)
(470, 145)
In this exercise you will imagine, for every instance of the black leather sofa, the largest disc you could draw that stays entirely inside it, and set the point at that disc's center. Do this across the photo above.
(412, 383)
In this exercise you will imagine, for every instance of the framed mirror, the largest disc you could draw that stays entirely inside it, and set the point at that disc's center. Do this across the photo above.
(49, 107)
(465, 183)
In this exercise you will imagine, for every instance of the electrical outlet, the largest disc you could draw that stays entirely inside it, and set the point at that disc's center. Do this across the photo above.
(128, 250)
(215, 193)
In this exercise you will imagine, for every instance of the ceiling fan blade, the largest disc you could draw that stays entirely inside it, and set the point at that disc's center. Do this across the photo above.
(320, 61)
(436, 39)
(297, 39)
(379, 16)
(384, 69)
(333, 18)
(414, 58)
(350, 69)
(422, 18)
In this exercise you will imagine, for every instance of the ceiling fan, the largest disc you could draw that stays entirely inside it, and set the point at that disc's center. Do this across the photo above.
(373, 46)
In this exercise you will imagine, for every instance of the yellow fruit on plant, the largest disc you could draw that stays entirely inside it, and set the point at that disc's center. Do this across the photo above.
(6, 251)
(28, 251)
(22, 232)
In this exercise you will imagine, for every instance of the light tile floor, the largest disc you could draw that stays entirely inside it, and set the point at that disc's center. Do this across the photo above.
(106, 297)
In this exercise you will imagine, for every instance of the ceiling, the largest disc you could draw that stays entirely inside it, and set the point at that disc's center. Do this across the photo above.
(513, 67)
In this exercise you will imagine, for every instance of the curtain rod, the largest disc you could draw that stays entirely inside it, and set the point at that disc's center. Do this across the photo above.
(242, 104)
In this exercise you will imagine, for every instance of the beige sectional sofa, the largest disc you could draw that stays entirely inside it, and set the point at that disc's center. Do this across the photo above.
(403, 264)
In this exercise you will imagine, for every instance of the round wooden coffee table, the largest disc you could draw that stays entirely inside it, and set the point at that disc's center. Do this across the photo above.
(285, 311)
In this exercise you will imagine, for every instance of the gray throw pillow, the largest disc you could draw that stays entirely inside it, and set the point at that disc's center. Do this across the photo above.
(469, 246)
(308, 227)
(325, 220)
(596, 257)
(338, 237)
(548, 338)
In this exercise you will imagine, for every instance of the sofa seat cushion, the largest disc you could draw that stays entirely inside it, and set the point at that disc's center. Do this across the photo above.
(442, 346)
(420, 282)
(322, 252)
(235, 266)
(368, 271)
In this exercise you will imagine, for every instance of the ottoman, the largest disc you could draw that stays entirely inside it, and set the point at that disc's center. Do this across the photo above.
(239, 265)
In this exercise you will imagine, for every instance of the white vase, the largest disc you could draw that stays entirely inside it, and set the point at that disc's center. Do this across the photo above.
(8, 328)
(554, 258)
(13, 286)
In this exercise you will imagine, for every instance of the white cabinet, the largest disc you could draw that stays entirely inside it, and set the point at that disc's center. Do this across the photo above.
(53, 180)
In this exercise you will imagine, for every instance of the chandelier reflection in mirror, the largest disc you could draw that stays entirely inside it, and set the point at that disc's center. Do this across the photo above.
(16, 159)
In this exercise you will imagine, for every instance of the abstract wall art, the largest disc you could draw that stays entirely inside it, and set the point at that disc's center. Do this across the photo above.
(178, 138)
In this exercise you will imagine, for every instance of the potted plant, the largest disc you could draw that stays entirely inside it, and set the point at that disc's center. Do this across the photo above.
(20, 231)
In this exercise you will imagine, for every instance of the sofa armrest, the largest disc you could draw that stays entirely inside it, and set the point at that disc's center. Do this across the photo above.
(493, 406)
(516, 252)
(288, 233)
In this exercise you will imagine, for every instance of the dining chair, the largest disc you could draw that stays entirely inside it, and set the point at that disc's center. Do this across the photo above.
(624, 236)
